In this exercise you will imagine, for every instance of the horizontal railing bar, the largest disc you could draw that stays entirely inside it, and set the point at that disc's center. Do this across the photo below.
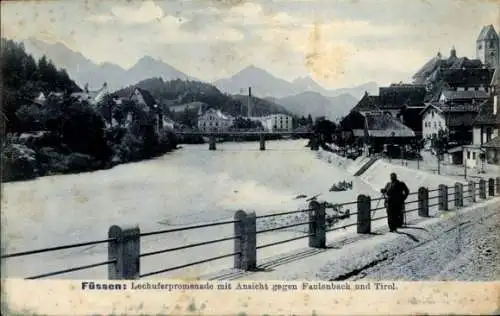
(346, 203)
(410, 202)
(434, 197)
(412, 210)
(283, 241)
(378, 218)
(283, 227)
(433, 190)
(378, 209)
(72, 269)
(189, 264)
(341, 227)
(413, 193)
(165, 231)
(31, 252)
(284, 213)
(188, 246)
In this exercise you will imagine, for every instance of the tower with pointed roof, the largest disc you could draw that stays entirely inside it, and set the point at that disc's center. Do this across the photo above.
(488, 47)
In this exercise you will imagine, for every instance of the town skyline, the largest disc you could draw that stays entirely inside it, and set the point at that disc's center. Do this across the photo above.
(338, 44)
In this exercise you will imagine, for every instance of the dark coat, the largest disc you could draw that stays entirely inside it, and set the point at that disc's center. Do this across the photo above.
(396, 193)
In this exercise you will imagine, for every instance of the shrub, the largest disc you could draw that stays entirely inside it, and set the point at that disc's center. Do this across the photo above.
(18, 163)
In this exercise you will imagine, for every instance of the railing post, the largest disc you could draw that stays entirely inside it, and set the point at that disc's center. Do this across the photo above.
(262, 142)
(482, 189)
(472, 191)
(211, 145)
(317, 225)
(246, 245)
(364, 214)
(459, 194)
(443, 197)
(423, 202)
(491, 187)
(125, 249)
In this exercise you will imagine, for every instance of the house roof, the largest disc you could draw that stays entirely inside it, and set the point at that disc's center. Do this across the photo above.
(487, 32)
(452, 108)
(464, 62)
(468, 77)
(367, 103)
(148, 98)
(382, 125)
(493, 143)
(396, 96)
(464, 95)
(455, 119)
(486, 116)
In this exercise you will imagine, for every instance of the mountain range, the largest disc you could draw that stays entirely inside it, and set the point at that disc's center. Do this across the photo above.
(301, 96)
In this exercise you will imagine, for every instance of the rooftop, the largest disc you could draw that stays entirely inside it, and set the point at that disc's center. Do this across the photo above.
(383, 125)
(486, 116)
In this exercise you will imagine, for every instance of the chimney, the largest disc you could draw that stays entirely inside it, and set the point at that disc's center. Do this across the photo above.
(249, 111)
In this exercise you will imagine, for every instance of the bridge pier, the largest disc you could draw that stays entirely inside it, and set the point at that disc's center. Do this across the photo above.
(262, 142)
(211, 144)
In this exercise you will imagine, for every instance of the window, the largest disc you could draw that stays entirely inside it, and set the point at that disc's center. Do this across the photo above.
(492, 44)
(479, 46)
(434, 124)
(468, 154)
(474, 156)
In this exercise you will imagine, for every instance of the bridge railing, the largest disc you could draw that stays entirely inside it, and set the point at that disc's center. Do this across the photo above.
(124, 255)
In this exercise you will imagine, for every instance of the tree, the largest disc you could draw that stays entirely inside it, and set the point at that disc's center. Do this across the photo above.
(326, 129)
(439, 143)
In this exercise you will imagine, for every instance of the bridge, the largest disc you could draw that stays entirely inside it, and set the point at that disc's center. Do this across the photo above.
(261, 134)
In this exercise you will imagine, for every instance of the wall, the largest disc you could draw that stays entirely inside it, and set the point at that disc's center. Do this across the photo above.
(476, 136)
(210, 121)
(432, 122)
(278, 122)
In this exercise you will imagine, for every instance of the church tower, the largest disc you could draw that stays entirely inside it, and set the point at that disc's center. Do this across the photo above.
(488, 47)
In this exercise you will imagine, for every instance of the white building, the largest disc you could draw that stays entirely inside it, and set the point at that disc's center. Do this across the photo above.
(485, 134)
(92, 97)
(214, 120)
(277, 123)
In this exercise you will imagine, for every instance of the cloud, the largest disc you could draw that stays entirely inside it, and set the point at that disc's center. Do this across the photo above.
(145, 12)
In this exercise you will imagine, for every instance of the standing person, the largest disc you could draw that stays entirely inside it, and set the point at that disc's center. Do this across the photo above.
(395, 193)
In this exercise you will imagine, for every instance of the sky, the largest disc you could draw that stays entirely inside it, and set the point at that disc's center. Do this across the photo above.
(337, 43)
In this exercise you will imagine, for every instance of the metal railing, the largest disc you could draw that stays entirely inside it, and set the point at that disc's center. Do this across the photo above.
(124, 251)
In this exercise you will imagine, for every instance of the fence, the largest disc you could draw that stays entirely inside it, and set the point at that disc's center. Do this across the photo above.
(124, 253)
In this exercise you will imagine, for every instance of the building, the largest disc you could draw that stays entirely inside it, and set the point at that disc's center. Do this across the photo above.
(277, 123)
(374, 130)
(150, 107)
(456, 120)
(92, 97)
(403, 102)
(486, 130)
(213, 120)
(488, 47)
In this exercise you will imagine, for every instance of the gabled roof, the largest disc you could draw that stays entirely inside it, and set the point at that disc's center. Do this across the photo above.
(465, 95)
(452, 108)
(486, 116)
(468, 77)
(397, 96)
(487, 32)
(384, 125)
(367, 103)
(464, 62)
(148, 98)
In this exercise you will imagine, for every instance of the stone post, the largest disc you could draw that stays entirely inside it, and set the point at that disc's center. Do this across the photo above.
(459, 195)
(246, 228)
(125, 249)
(443, 197)
(482, 189)
(498, 185)
(472, 191)
(423, 202)
(262, 142)
(364, 214)
(211, 145)
(491, 187)
(317, 225)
